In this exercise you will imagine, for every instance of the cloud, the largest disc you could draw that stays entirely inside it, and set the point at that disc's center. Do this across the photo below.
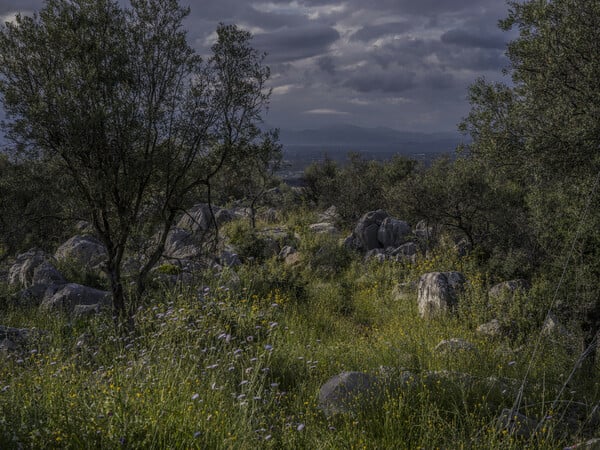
(326, 111)
(464, 38)
(291, 44)
(372, 32)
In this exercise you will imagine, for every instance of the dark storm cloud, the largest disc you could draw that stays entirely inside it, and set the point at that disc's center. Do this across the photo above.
(370, 32)
(296, 43)
(385, 62)
(385, 82)
(464, 38)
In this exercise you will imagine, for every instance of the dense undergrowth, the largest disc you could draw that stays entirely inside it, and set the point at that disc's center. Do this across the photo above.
(237, 362)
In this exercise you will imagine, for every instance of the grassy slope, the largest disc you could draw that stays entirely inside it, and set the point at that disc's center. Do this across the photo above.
(241, 366)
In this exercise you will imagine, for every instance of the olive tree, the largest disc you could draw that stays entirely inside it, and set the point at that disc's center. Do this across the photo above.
(138, 123)
(543, 131)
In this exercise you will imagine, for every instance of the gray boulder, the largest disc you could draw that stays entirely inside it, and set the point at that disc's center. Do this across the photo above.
(200, 219)
(181, 244)
(47, 274)
(346, 392)
(22, 271)
(437, 293)
(393, 232)
(66, 297)
(85, 252)
(365, 235)
(406, 252)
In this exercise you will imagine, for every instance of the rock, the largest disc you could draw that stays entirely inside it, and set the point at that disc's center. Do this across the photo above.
(8, 346)
(83, 311)
(437, 293)
(364, 237)
(181, 244)
(406, 252)
(454, 345)
(330, 215)
(516, 424)
(46, 274)
(491, 329)
(323, 228)
(377, 254)
(69, 295)
(346, 392)
(85, 252)
(393, 232)
(22, 271)
(508, 288)
(286, 251)
(199, 218)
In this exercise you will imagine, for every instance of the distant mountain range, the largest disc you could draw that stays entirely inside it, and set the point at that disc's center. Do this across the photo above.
(301, 147)
(355, 138)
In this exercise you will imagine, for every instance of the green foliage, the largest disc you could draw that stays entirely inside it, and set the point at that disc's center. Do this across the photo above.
(361, 185)
(136, 123)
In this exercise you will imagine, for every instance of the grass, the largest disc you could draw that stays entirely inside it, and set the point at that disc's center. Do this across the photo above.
(240, 366)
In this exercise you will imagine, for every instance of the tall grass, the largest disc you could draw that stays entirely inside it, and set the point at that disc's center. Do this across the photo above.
(240, 365)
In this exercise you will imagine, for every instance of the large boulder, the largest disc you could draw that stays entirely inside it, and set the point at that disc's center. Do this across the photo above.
(84, 252)
(437, 293)
(393, 232)
(346, 392)
(199, 218)
(66, 297)
(22, 271)
(377, 230)
(181, 244)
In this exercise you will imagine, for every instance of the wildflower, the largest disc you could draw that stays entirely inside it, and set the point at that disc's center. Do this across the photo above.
(249, 338)
(268, 347)
(512, 363)
(197, 434)
(300, 427)
(195, 396)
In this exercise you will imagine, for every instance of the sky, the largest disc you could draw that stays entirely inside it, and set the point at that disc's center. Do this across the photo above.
(403, 64)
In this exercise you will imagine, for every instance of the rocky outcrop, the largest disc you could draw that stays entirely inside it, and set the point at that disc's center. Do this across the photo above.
(437, 293)
(199, 219)
(378, 230)
(181, 244)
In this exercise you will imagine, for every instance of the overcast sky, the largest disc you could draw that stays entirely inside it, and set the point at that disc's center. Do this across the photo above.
(404, 64)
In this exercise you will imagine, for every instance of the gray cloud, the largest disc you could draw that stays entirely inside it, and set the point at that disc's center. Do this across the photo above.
(291, 44)
(398, 63)
(464, 38)
(370, 32)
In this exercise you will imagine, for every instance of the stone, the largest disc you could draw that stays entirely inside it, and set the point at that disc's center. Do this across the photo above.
(509, 288)
(22, 271)
(66, 297)
(330, 215)
(553, 328)
(346, 392)
(323, 228)
(46, 274)
(82, 251)
(181, 244)
(437, 293)
(406, 252)
(393, 232)
(423, 230)
(286, 251)
(199, 219)
(83, 311)
(364, 236)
